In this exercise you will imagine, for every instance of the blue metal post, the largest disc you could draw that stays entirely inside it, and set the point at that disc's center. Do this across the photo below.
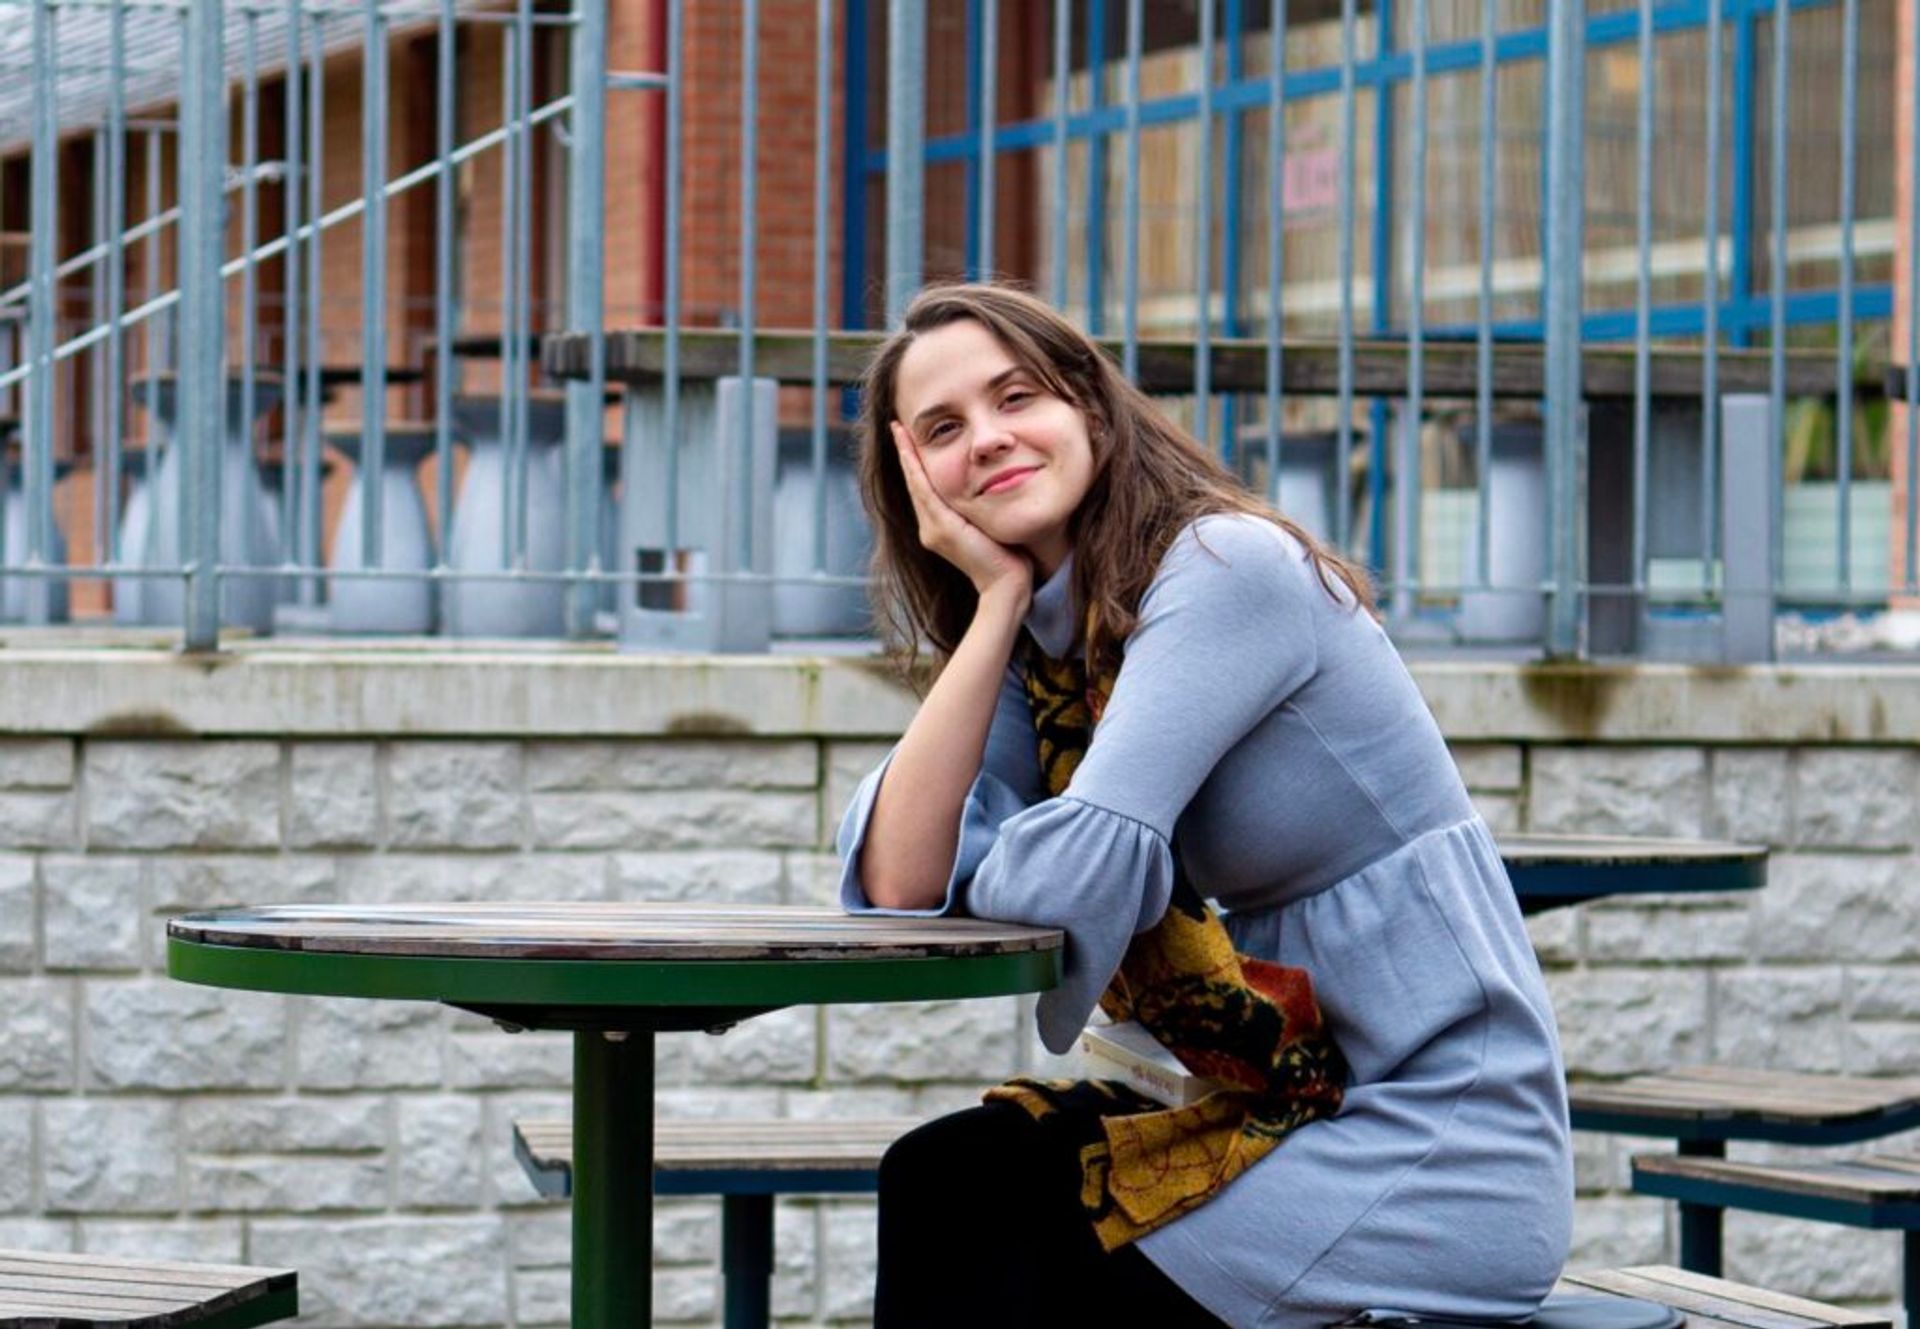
(202, 233)
(586, 273)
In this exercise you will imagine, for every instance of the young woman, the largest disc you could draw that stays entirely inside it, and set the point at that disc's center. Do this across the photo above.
(1249, 734)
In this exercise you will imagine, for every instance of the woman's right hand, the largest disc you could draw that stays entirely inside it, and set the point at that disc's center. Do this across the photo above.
(988, 564)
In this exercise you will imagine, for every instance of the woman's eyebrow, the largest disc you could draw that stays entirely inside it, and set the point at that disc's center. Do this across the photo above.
(999, 380)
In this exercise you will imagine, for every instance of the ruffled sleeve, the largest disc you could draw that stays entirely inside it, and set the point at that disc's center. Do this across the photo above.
(1008, 783)
(1225, 635)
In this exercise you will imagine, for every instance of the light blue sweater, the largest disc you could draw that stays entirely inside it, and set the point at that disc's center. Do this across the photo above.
(1269, 734)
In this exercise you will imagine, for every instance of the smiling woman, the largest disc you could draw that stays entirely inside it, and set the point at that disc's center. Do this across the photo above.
(1155, 690)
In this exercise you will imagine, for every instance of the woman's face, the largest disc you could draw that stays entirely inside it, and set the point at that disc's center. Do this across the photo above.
(1001, 450)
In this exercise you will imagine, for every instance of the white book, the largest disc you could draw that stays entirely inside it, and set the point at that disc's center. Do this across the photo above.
(1128, 1053)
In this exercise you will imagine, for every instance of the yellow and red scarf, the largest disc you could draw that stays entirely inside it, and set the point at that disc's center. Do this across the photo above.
(1252, 1026)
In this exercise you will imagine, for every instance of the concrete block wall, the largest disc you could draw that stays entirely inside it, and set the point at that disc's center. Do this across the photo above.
(366, 1143)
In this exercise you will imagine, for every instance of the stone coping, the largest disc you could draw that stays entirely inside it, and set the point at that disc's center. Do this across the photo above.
(591, 691)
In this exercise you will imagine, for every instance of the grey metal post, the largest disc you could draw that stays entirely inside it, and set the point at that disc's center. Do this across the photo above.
(906, 156)
(1062, 24)
(37, 453)
(750, 534)
(586, 269)
(1566, 52)
(116, 223)
(989, 100)
(822, 196)
(202, 315)
(1130, 244)
(443, 289)
(1746, 524)
(373, 283)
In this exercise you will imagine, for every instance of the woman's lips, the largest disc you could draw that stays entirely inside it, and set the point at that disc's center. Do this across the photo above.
(1007, 479)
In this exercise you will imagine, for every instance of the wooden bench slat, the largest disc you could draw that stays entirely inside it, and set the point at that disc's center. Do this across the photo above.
(1662, 1276)
(1869, 1180)
(240, 1274)
(1697, 1295)
(10, 1282)
(191, 1283)
(746, 1145)
(41, 1288)
(75, 1299)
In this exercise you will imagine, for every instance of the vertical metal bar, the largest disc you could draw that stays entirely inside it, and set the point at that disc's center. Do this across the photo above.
(156, 343)
(114, 388)
(1096, 228)
(989, 101)
(99, 401)
(297, 404)
(445, 239)
(1710, 309)
(1843, 355)
(1407, 482)
(1276, 238)
(1777, 293)
(906, 152)
(1740, 213)
(519, 333)
(1130, 315)
(854, 177)
(749, 268)
(510, 148)
(249, 220)
(1643, 296)
(586, 275)
(822, 168)
(43, 190)
(1385, 145)
(1203, 239)
(970, 163)
(1566, 57)
(1343, 425)
(670, 295)
(1483, 338)
(310, 514)
(373, 281)
(201, 242)
(1913, 383)
(1062, 74)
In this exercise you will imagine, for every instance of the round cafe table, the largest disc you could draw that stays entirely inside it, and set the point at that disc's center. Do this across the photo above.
(1549, 871)
(613, 974)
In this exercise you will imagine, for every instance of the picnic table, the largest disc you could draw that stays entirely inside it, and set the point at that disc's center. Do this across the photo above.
(613, 975)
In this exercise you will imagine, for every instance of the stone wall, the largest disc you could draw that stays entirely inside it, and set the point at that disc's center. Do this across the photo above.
(366, 1143)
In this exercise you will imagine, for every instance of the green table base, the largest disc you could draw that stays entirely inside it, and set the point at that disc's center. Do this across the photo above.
(612, 1179)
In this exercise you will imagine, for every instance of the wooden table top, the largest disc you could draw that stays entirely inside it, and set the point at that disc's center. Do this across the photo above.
(1622, 851)
(607, 931)
(1738, 1102)
(607, 965)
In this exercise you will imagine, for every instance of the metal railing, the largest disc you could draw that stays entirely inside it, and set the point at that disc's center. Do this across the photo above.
(1328, 239)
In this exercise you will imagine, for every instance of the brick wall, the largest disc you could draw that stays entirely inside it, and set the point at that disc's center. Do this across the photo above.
(367, 1142)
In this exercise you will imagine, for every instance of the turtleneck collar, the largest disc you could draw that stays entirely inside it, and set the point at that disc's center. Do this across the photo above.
(1052, 618)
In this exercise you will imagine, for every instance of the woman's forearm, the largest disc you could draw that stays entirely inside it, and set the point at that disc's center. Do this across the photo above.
(914, 828)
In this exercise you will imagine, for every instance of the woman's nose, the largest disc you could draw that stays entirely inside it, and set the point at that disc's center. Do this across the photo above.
(990, 435)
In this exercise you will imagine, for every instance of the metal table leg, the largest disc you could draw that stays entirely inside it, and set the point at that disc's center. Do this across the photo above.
(746, 1258)
(612, 1179)
(1700, 1223)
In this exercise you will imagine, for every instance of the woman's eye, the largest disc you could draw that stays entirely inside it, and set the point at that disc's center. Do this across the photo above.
(941, 432)
(1017, 398)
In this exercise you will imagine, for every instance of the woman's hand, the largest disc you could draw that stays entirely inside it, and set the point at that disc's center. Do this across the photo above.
(988, 564)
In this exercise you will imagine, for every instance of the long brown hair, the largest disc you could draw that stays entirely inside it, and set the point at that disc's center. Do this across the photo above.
(1151, 479)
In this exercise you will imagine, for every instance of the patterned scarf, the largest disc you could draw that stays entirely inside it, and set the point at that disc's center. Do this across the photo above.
(1251, 1026)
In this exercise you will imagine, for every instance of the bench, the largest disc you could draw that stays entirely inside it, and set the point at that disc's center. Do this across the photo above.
(1876, 1191)
(46, 1291)
(1702, 1107)
(746, 1163)
(1715, 1303)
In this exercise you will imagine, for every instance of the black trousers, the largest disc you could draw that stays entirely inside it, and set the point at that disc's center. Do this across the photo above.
(981, 1225)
